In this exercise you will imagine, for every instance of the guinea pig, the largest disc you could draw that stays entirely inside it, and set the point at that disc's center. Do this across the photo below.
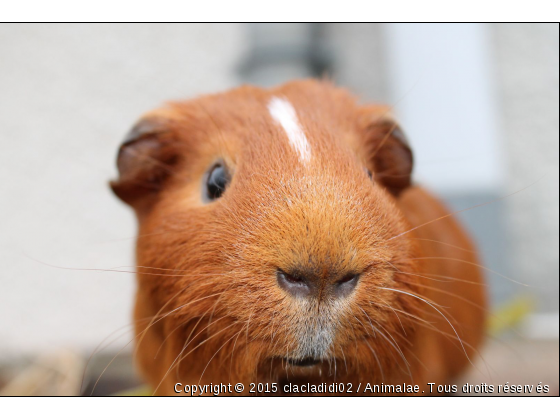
(281, 242)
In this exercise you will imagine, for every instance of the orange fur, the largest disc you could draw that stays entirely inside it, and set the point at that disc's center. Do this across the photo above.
(209, 308)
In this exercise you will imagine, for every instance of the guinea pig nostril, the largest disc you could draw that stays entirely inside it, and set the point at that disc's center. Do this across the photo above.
(346, 285)
(348, 278)
(294, 285)
(289, 278)
(293, 279)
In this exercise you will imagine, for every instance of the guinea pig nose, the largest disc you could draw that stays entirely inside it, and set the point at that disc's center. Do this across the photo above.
(301, 285)
(295, 285)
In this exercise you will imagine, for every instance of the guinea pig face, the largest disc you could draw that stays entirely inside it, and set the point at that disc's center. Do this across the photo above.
(268, 236)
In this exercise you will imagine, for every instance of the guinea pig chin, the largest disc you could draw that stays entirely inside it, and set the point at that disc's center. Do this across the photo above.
(314, 340)
(315, 332)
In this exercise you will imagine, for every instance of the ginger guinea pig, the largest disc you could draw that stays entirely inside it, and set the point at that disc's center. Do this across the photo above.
(281, 241)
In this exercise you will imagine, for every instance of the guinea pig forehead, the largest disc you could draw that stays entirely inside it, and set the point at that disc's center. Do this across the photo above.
(204, 130)
(285, 116)
(311, 130)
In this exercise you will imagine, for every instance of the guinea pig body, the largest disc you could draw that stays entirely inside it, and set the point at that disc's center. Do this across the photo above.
(281, 241)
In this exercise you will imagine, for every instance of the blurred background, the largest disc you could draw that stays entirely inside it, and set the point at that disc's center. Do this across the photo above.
(479, 103)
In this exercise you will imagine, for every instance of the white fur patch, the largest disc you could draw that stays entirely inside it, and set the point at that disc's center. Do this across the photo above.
(284, 114)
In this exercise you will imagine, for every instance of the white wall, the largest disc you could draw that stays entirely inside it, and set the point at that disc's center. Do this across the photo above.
(440, 77)
(68, 94)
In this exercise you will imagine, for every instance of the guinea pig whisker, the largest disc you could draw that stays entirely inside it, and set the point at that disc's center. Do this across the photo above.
(232, 351)
(189, 340)
(355, 339)
(455, 295)
(193, 349)
(468, 301)
(404, 337)
(110, 270)
(470, 251)
(393, 343)
(441, 313)
(247, 328)
(156, 268)
(393, 309)
(466, 209)
(407, 314)
(446, 279)
(375, 334)
(452, 338)
(444, 309)
(473, 264)
(334, 360)
(193, 329)
(397, 270)
(175, 329)
(102, 345)
(216, 303)
(272, 331)
(433, 288)
(377, 360)
(142, 333)
(214, 355)
(176, 309)
(343, 357)
(457, 343)
(396, 332)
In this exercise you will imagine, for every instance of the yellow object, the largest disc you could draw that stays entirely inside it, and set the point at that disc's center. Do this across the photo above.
(139, 391)
(509, 314)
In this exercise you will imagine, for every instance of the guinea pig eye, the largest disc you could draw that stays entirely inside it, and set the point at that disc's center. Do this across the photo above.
(368, 173)
(216, 183)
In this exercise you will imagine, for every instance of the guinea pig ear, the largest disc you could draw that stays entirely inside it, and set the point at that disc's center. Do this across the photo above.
(144, 160)
(387, 150)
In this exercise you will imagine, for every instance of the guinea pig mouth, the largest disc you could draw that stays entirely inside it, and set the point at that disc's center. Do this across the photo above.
(306, 362)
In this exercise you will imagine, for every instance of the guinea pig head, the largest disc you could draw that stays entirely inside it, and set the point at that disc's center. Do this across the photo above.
(269, 236)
